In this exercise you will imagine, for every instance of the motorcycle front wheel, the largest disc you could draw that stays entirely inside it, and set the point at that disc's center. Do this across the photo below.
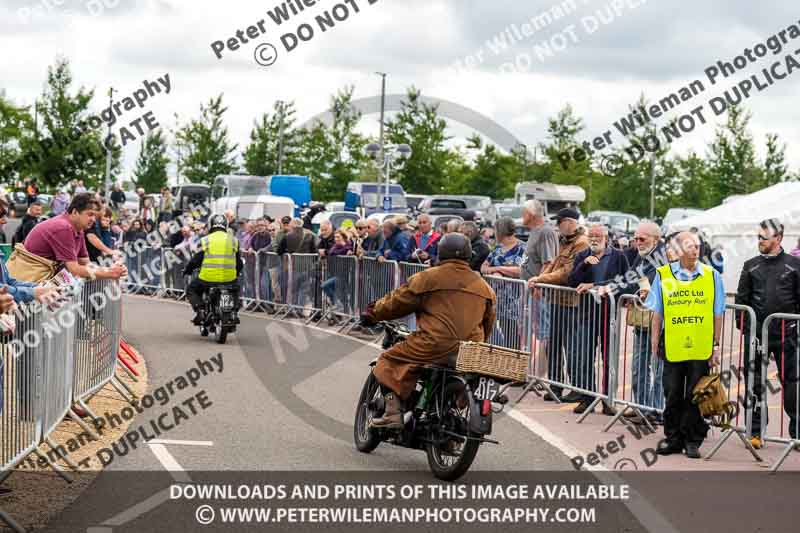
(221, 334)
(450, 456)
(365, 437)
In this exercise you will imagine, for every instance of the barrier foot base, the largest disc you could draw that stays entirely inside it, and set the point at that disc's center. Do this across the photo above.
(791, 445)
(727, 435)
(589, 410)
(57, 469)
(11, 523)
(618, 418)
(66, 458)
(529, 387)
(119, 385)
(84, 426)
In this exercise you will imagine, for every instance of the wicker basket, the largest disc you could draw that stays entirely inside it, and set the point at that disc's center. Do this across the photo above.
(481, 358)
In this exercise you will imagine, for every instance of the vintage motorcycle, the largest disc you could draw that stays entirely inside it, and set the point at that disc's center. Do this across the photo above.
(448, 415)
(221, 314)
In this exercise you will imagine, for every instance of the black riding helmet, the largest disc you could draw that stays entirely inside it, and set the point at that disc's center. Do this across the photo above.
(454, 246)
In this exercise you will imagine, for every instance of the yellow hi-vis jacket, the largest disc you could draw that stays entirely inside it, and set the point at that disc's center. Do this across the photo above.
(219, 257)
(688, 315)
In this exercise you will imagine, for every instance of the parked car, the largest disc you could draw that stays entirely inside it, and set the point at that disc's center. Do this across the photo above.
(413, 201)
(17, 203)
(483, 207)
(446, 205)
(614, 220)
(382, 217)
(338, 219)
(676, 214)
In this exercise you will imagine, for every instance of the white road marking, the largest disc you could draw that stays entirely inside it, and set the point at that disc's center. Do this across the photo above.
(170, 464)
(182, 442)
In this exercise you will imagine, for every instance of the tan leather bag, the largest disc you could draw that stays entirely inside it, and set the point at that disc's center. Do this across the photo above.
(709, 396)
(26, 266)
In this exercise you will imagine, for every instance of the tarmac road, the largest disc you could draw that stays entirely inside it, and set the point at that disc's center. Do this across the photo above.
(268, 412)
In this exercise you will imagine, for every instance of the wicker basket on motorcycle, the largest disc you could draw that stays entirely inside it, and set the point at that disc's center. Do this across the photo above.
(482, 358)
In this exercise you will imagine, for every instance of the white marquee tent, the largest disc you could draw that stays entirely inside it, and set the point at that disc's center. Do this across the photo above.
(734, 225)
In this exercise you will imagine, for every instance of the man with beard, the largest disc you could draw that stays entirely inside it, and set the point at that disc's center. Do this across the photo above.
(646, 371)
(562, 305)
(596, 267)
(480, 250)
(770, 283)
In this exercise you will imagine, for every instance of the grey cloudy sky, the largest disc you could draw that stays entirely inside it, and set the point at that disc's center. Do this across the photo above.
(652, 46)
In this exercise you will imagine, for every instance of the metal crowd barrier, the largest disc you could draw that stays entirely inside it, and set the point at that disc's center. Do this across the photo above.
(405, 271)
(249, 280)
(780, 349)
(512, 328)
(55, 359)
(339, 288)
(173, 262)
(273, 288)
(304, 285)
(572, 345)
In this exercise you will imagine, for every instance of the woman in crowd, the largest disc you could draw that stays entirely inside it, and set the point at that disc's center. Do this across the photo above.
(506, 260)
(167, 205)
(342, 245)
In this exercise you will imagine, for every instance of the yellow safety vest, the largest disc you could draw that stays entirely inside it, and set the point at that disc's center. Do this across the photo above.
(219, 257)
(688, 315)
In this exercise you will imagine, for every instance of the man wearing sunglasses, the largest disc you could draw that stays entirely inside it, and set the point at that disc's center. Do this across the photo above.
(770, 283)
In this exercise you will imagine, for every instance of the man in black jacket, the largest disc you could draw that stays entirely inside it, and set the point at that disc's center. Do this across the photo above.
(32, 217)
(480, 250)
(770, 283)
(596, 266)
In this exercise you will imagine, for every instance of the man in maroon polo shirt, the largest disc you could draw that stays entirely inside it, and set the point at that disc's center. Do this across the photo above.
(61, 239)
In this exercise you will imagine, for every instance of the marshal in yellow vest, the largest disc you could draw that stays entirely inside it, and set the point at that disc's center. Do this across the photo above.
(688, 315)
(219, 257)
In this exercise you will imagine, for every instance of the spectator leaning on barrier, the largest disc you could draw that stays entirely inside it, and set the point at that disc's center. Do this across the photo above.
(297, 240)
(561, 308)
(595, 267)
(395, 243)
(373, 243)
(688, 299)
(326, 238)
(262, 239)
(61, 240)
(342, 246)
(360, 234)
(280, 232)
(770, 283)
(542, 245)
(480, 250)
(646, 370)
(506, 259)
(19, 291)
(424, 244)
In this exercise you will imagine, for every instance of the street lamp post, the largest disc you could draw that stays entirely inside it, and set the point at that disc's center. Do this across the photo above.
(108, 144)
(388, 157)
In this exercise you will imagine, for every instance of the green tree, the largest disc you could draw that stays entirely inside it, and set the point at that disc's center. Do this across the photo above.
(261, 155)
(204, 146)
(775, 168)
(418, 124)
(563, 166)
(69, 142)
(733, 168)
(15, 122)
(151, 166)
(332, 155)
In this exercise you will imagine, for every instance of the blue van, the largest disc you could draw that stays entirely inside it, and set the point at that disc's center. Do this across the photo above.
(370, 198)
(298, 188)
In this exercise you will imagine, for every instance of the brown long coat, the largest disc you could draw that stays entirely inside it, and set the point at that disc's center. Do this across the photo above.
(452, 303)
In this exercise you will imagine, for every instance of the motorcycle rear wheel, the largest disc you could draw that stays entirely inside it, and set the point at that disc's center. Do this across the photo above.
(450, 460)
(365, 437)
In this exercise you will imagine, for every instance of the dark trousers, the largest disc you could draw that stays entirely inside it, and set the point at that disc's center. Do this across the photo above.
(562, 340)
(783, 348)
(682, 420)
(594, 332)
(197, 288)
